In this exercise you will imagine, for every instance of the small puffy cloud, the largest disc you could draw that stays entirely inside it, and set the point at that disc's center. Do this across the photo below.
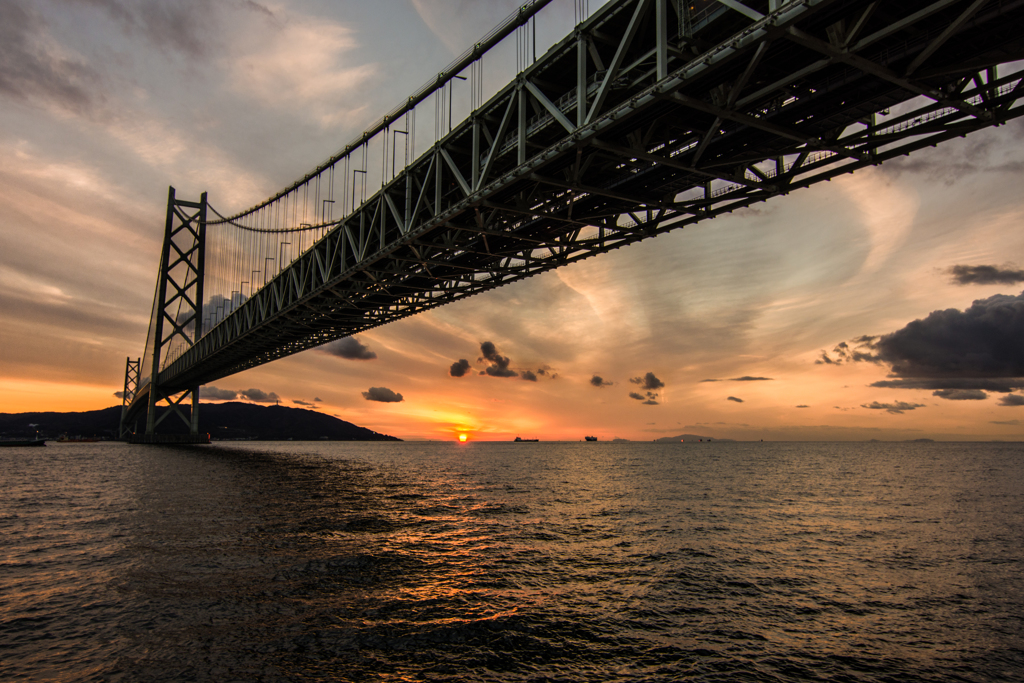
(459, 368)
(1012, 400)
(212, 393)
(382, 395)
(349, 348)
(118, 394)
(648, 382)
(498, 364)
(638, 397)
(529, 376)
(986, 275)
(259, 396)
(897, 408)
(733, 398)
(748, 378)
(961, 394)
(598, 381)
(650, 402)
(318, 400)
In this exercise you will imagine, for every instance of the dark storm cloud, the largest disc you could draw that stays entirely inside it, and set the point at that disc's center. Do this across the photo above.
(648, 382)
(961, 394)
(212, 393)
(982, 341)
(529, 376)
(986, 275)
(29, 73)
(733, 398)
(598, 381)
(459, 368)
(748, 378)
(897, 408)
(498, 364)
(1012, 400)
(382, 395)
(258, 396)
(979, 348)
(349, 348)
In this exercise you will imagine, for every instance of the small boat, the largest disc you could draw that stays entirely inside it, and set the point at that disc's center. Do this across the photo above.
(518, 440)
(590, 438)
(24, 442)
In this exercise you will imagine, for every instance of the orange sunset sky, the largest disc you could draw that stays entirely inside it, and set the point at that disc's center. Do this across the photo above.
(731, 329)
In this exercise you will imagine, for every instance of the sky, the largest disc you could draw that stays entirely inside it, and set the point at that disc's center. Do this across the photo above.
(887, 304)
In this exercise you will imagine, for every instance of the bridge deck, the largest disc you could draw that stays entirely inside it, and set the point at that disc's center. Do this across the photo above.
(680, 121)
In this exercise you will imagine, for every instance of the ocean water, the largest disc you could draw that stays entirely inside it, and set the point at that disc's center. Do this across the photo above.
(513, 562)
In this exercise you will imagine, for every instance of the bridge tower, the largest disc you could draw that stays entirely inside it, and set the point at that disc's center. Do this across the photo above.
(177, 321)
(131, 385)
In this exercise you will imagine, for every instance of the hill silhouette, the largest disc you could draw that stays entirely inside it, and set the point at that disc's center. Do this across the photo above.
(221, 420)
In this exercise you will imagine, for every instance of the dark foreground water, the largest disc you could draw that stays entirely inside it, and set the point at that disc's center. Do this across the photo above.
(513, 562)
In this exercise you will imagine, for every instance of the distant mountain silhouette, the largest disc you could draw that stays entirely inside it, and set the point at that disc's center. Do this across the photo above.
(688, 438)
(219, 420)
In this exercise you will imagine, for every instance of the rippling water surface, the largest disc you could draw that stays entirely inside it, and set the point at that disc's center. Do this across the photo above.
(513, 562)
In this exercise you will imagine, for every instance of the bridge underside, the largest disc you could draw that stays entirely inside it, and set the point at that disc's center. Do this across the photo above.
(649, 119)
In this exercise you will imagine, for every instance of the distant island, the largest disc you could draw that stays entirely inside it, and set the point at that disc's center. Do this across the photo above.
(688, 438)
(222, 421)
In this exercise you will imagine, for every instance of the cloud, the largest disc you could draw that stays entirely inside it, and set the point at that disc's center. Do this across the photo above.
(986, 275)
(961, 394)
(978, 348)
(459, 368)
(748, 378)
(303, 403)
(598, 381)
(31, 71)
(1012, 400)
(638, 397)
(1000, 386)
(650, 402)
(709, 380)
(733, 398)
(258, 396)
(382, 395)
(529, 376)
(349, 348)
(118, 394)
(803, 406)
(318, 400)
(212, 393)
(1012, 423)
(498, 364)
(648, 382)
(896, 408)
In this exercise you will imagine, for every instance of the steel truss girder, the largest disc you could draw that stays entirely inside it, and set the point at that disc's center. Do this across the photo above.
(620, 133)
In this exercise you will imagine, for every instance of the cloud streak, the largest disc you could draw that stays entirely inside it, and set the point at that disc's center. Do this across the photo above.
(986, 275)
(896, 408)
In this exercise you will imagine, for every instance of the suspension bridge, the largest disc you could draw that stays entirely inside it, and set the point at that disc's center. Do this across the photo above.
(647, 116)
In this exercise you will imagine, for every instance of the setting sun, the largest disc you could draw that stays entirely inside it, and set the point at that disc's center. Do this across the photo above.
(462, 437)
